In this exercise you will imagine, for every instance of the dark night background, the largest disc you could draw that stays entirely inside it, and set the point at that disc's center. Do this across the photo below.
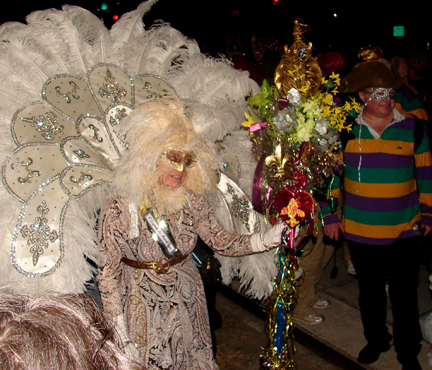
(211, 24)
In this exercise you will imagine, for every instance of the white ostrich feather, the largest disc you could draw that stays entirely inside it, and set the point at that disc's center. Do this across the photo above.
(18, 70)
(130, 26)
(158, 51)
(213, 82)
(79, 51)
(214, 124)
(255, 273)
(92, 29)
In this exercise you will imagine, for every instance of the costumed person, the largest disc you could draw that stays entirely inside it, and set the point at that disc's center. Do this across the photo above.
(148, 280)
(67, 85)
(58, 331)
(387, 196)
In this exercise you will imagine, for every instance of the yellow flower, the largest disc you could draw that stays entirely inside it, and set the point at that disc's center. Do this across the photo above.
(326, 111)
(356, 106)
(337, 111)
(347, 106)
(333, 121)
(324, 81)
(335, 78)
(249, 121)
(327, 99)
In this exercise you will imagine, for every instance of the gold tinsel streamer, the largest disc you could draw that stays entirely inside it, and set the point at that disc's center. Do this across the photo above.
(277, 355)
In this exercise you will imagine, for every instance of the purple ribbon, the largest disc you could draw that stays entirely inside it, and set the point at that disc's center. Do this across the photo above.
(256, 187)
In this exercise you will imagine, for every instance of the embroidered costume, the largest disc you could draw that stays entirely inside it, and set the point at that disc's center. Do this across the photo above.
(67, 84)
(166, 314)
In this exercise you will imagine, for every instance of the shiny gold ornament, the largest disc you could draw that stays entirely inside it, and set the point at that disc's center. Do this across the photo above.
(370, 52)
(298, 68)
(280, 160)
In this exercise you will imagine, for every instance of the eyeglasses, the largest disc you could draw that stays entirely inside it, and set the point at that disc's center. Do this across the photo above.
(382, 93)
(179, 158)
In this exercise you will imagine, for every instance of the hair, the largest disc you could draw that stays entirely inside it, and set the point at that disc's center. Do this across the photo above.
(420, 63)
(58, 331)
(149, 129)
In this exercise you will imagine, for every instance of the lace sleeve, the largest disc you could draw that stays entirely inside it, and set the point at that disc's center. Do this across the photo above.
(112, 234)
(213, 234)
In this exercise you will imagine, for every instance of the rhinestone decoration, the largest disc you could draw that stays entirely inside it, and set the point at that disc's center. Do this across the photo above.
(240, 207)
(39, 234)
(111, 89)
(46, 125)
(67, 96)
(31, 173)
(95, 133)
(81, 154)
(118, 116)
(82, 178)
(153, 94)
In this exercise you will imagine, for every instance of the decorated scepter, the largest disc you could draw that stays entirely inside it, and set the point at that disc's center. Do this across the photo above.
(294, 128)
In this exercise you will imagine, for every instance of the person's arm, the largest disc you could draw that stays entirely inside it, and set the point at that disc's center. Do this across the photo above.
(112, 232)
(225, 243)
(423, 175)
(328, 214)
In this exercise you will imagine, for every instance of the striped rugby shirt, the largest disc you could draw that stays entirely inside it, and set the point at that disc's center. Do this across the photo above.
(385, 190)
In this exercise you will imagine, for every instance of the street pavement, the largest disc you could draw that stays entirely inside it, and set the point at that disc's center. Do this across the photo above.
(334, 344)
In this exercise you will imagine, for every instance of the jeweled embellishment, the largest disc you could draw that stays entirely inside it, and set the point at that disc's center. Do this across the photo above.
(31, 173)
(111, 89)
(67, 96)
(81, 154)
(81, 179)
(46, 125)
(39, 234)
(239, 207)
(95, 133)
(153, 94)
(118, 116)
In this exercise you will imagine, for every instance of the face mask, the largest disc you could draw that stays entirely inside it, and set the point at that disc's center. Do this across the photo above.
(180, 159)
(382, 93)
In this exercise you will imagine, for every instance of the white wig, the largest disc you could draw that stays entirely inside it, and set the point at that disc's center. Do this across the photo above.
(150, 129)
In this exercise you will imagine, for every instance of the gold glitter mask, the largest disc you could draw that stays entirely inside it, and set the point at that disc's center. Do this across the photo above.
(180, 159)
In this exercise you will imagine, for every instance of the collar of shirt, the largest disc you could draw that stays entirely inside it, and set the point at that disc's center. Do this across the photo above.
(397, 117)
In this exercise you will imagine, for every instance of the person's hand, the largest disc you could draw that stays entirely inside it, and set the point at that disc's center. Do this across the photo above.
(268, 239)
(426, 229)
(332, 230)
